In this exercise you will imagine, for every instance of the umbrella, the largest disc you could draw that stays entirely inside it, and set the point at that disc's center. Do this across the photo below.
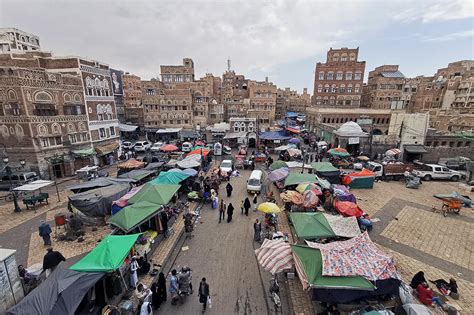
(278, 164)
(339, 152)
(310, 199)
(275, 256)
(278, 174)
(363, 158)
(268, 207)
(292, 196)
(169, 148)
(301, 188)
(393, 152)
(294, 140)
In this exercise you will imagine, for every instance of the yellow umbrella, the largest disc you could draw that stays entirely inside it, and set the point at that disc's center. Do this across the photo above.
(301, 188)
(268, 207)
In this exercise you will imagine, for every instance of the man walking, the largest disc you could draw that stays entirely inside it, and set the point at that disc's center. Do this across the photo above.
(173, 288)
(44, 232)
(222, 211)
(203, 293)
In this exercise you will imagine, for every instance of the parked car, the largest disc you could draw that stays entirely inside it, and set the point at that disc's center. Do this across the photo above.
(156, 146)
(226, 166)
(142, 146)
(186, 147)
(127, 145)
(17, 179)
(457, 163)
(433, 171)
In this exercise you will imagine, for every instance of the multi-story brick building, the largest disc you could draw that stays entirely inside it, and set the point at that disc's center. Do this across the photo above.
(117, 88)
(288, 100)
(16, 41)
(235, 95)
(338, 81)
(43, 116)
(384, 88)
(262, 103)
(132, 99)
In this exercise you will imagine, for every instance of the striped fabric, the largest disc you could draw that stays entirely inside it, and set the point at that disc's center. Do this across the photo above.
(275, 256)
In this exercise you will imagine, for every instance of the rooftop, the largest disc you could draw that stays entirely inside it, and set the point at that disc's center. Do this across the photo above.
(392, 74)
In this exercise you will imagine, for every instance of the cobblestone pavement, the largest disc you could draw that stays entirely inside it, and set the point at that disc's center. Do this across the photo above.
(224, 254)
(422, 239)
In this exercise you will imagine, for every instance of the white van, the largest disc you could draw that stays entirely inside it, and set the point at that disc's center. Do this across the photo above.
(254, 184)
(186, 146)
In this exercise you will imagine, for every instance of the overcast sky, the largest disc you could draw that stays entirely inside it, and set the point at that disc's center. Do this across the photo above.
(279, 39)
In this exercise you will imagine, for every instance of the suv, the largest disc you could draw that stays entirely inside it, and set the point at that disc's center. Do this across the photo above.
(226, 166)
(127, 145)
(17, 179)
(142, 146)
(433, 171)
(156, 147)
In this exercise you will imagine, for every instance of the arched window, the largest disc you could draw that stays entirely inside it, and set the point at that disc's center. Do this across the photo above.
(77, 98)
(333, 88)
(320, 88)
(67, 98)
(357, 88)
(71, 128)
(56, 128)
(352, 57)
(42, 130)
(335, 57)
(349, 88)
(43, 97)
(342, 88)
(321, 75)
(344, 57)
(105, 84)
(236, 127)
(349, 75)
(251, 127)
(12, 95)
(339, 75)
(358, 75)
(330, 75)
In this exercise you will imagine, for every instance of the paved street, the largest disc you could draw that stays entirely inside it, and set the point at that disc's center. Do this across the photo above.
(223, 253)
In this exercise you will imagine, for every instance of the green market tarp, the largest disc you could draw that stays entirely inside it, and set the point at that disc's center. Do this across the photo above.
(362, 179)
(159, 194)
(131, 216)
(311, 225)
(298, 178)
(108, 255)
(169, 178)
(84, 152)
(278, 164)
(309, 265)
(328, 171)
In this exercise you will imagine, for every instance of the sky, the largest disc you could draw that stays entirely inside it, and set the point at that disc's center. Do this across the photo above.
(278, 39)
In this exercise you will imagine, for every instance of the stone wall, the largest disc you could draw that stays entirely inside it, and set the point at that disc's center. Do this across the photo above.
(435, 153)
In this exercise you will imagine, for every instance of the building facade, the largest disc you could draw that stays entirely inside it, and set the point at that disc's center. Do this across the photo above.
(43, 116)
(384, 88)
(338, 81)
(132, 99)
(16, 41)
(262, 103)
(235, 95)
(288, 100)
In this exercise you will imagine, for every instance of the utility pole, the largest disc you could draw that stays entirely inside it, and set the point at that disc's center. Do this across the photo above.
(371, 138)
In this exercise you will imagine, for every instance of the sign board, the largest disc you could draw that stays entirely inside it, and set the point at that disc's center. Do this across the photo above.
(364, 121)
(354, 140)
(117, 81)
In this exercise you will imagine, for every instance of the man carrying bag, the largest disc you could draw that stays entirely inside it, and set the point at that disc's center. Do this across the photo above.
(204, 297)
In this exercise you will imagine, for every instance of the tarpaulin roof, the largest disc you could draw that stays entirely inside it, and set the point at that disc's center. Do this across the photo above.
(106, 149)
(154, 165)
(414, 148)
(117, 205)
(309, 265)
(131, 216)
(137, 175)
(160, 194)
(190, 161)
(311, 225)
(295, 164)
(292, 196)
(132, 163)
(278, 174)
(84, 152)
(278, 164)
(357, 256)
(235, 135)
(108, 255)
(275, 256)
(298, 178)
(168, 130)
(99, 182)
(200, 151)
(169, 148)
(98, 202)
(60, 293)
(274, 135)
(348, 209)
(169, 178)
(310, 198)
(323, 167)
(363, 173)
(35, 185)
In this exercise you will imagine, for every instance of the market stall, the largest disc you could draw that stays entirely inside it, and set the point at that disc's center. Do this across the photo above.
(32, 192)
(160, 194)
(318, 225)
(327, 171)
(362, 179)
(99, 182)
(295, 178)
(138, 176)
(98, 202)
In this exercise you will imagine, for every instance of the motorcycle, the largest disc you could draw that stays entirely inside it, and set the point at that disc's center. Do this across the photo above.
(185, 287)
(274, 291)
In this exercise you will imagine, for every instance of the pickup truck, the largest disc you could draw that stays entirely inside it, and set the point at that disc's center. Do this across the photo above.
(389, 171)
(457, 163)
(428, 172)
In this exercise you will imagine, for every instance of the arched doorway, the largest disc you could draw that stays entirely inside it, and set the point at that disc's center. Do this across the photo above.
(252, 136)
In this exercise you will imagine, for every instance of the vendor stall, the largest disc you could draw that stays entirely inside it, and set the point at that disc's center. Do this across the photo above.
(170, 178)
(32, 193)
(295, 178)
(99, 182)
(327, 171)
(98, 202)
(362, 179)
(318, 225)
(159, 194)
(138, 175)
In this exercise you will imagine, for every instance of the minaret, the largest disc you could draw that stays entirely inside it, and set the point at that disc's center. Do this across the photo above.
(228, 64)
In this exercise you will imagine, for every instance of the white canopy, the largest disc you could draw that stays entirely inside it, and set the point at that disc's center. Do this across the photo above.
(37, 184)
(169, 130)
(294, 164)
(235, 135)
(127, 128)
(190, 161)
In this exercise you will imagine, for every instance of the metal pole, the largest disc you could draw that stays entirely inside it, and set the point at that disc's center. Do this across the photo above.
(57, 191)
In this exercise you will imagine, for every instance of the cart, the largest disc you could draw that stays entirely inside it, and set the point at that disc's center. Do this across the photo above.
(451, 206)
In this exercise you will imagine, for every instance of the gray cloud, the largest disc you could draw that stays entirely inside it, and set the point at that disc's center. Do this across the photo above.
(259, 36)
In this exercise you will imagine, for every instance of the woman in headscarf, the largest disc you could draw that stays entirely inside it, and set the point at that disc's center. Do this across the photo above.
(230, 212)
(159, 291)
(418, 279)
(247, 206)
(229, 189)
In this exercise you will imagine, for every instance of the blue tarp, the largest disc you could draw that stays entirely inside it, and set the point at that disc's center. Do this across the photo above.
(274, 135)
(291, 114)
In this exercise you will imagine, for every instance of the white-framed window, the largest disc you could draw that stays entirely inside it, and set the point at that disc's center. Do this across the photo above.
(349, 89)
(326, 88)
(357, 76)
(348, 75)
(357, 88)
(344, 57)
(101, 132)
(342, 88)
(321, 75)
(333, 88)
(330, 75)
(44, 142)
(236, 127)
(112, 131)
(72, 138)
(339, 75)
(320, 88)
(335, 57)
(352, 57)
